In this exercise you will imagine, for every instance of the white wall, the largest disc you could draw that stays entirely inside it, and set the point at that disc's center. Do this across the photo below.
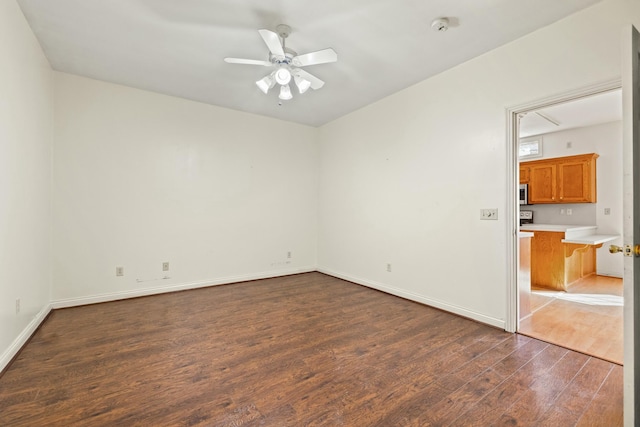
(605, 140)
(403, 180)
(26, 123)
(142, 178)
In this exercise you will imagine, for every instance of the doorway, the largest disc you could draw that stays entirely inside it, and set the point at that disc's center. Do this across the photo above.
(587, 315)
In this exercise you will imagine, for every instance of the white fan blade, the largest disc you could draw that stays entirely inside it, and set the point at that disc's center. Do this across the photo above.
(313, 58)
(272, 40)
(247, 61)
(316, 83)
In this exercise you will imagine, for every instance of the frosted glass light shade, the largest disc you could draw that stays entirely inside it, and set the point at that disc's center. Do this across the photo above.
(283, 76)
(285, 93)
(266, 83)
(303, 84)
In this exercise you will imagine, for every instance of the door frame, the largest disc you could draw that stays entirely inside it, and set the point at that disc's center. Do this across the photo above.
(513, 180)
(631, 223)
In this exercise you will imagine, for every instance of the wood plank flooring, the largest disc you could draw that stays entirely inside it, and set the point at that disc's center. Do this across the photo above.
(587, 318)
(304, 350)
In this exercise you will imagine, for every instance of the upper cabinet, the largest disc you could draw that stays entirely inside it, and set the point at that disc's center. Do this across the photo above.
(524, 174)
(577, 179)
(561, 180)
(543, 183)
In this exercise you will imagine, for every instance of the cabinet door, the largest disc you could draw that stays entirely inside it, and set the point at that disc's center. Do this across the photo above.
(575, 182)
(542, 183)
(524, 174)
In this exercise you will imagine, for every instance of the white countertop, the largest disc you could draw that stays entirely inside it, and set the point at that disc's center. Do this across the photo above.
(578, 234)
(523, 234)
(570, 231)
(592, 239)
(557, 227)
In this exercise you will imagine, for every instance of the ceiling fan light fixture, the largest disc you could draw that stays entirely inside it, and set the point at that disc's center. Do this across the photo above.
(286, 64)
(285, 93)
(283, 76)
(266, 83)
(302, 84)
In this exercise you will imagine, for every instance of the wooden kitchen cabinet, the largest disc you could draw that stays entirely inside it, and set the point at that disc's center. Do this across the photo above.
(543, 183)
(524, 174)
(569, 179)
(577, 179)
(555, 264)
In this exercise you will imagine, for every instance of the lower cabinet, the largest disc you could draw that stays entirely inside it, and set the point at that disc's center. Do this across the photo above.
(556, 265)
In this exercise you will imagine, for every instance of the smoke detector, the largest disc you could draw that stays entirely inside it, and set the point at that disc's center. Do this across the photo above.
(440, 25)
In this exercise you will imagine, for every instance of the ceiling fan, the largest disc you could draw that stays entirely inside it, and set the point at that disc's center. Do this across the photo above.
(287, 64)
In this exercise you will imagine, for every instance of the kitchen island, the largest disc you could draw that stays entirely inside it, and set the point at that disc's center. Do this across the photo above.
(563, 254)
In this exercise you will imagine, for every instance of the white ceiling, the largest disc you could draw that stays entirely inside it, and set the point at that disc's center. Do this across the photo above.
(593, 110)
(177, 47)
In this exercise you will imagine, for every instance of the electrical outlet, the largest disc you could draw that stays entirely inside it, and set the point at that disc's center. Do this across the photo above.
(491, 214)
(165, 266)
(17, 305)
(561, 211)
(607, 211)
(389, 268)
(569, 211)
(289, 255)
(119, 271)
(569, 144)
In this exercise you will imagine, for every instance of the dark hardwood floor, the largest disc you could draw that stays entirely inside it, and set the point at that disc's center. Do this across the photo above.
(304, 350)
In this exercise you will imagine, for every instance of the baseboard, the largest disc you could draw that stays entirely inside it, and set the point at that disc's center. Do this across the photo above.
(24, 336)
(609, 274)
(95, 299)
(498, 323)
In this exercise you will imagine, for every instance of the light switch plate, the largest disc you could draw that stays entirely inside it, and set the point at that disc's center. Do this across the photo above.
(489, 214)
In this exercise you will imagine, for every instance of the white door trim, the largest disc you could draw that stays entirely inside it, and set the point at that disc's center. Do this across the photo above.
(513, 180)
(631, 225)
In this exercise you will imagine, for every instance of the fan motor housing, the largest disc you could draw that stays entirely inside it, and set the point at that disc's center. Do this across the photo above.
(288, 57)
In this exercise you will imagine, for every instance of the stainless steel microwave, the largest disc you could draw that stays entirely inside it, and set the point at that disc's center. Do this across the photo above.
(524, 194)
